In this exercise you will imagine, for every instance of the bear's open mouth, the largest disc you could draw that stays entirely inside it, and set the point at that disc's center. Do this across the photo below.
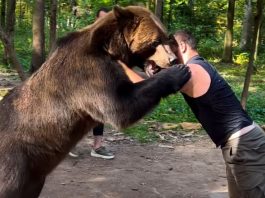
(151, 68)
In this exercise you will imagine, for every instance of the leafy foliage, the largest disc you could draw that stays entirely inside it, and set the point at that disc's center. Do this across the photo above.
(141, 133)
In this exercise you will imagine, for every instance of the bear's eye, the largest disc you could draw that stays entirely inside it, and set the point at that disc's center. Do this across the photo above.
(155, 43)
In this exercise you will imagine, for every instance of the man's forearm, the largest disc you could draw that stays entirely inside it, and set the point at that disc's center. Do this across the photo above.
(133, 76)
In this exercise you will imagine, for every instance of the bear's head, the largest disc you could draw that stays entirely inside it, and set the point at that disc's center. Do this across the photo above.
(134, 35)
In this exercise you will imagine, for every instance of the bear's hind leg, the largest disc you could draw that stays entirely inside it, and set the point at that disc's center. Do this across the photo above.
(16, 178)
(29, 189)
(33, 188)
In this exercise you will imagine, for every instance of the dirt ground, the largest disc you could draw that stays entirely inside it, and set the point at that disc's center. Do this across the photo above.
(192, 169)
(188, 167)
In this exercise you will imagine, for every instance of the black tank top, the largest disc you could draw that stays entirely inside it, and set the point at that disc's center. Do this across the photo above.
(218, 110)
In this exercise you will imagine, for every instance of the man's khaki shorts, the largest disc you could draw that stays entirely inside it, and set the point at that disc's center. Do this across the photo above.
(245, 162)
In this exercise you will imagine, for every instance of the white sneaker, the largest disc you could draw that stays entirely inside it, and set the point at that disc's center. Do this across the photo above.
(73, 154)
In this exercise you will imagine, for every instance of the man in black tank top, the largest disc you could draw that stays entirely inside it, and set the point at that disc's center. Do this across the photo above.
(218, 110)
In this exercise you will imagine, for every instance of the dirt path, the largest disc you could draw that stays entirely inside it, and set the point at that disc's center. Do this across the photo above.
(190, 170)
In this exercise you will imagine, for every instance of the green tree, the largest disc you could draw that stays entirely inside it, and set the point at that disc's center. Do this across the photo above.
(255, 39)
(12, 54)
(159, 9)
(228, 42)
(38, 52)
(247, 26)
(3, 13)
(53, 23)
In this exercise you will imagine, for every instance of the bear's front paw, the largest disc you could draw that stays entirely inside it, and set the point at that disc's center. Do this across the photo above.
(176, 76)
(182, 74)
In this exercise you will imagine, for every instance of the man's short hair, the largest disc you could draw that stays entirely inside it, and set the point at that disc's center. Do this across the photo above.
(186, 37)
(103, 9)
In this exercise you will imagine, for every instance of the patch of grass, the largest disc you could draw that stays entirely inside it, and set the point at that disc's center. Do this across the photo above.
(141, 133)
(3, 93)
(173, 109)
(3, 68)
(235, 76)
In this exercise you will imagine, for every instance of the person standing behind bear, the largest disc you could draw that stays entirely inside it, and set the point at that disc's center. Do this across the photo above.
(229, 126)
(98, 149)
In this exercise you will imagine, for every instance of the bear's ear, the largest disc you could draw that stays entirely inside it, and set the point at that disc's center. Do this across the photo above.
(121, 13)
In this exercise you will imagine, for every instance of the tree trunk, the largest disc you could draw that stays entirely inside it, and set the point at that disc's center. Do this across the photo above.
(11, 20)
(3, 24)
(169, 18)
(150, 4)
(53, 23)
(3, 13)
(228, 43)
(191, 6)
(260, 6)
(257, 25)
(10, 27)
(159, 9)
(245, 43)
(13, 57)
(21, 13)
(38, 54)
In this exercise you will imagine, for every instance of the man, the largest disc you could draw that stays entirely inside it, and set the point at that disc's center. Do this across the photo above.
(98, 149)
(218, 110)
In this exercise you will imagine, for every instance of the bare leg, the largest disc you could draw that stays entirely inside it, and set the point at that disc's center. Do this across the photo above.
(97, 141)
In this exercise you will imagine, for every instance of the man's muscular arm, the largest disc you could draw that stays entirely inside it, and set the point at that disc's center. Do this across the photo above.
(199, 82)
(133, 76)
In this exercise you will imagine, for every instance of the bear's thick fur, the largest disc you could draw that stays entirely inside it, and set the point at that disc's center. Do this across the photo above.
(78, 86)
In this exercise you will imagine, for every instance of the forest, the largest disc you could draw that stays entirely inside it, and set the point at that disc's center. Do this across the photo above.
(230, 35)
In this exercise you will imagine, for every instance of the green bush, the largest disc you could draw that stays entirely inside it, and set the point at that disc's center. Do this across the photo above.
(210, 48)
(242, 58)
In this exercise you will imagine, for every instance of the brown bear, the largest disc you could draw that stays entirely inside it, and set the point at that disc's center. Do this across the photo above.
(78, 86)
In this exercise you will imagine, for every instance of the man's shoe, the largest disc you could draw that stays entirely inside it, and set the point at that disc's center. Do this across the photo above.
(102, 152)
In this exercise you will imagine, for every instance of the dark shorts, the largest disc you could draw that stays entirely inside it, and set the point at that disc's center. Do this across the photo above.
(98, 130)
(245, 162)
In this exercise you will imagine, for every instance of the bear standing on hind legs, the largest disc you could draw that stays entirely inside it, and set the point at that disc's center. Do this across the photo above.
(79, 85)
